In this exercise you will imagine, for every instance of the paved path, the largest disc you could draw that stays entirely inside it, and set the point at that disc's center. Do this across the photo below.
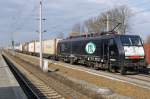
(9, 87)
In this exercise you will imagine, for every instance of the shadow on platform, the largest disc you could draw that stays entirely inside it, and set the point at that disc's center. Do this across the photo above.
(12, 92)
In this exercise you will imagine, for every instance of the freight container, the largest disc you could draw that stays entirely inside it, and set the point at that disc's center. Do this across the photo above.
(20, 47)
(37, 47)
(31, 47)
(16, 47)
(147, 51)
(50, 46)
(25, 48)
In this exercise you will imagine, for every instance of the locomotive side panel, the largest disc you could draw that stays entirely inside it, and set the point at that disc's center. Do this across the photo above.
(89, 47)
(85, 51)
(64, 48)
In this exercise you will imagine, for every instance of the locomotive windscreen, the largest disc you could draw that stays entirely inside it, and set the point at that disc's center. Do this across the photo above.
(131, 40)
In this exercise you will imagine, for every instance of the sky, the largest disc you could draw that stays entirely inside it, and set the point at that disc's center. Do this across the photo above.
(19, 18)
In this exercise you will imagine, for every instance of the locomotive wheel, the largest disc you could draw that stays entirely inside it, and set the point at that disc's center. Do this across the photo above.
(116, 70)
(123, 70)
(145, 70)
(110, 68)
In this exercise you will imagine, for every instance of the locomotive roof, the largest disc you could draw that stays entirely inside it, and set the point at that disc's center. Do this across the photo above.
(98, 37)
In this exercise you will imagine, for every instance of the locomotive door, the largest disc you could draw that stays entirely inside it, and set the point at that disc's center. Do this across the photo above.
(110, 53)
(113, 53)
(105, 52)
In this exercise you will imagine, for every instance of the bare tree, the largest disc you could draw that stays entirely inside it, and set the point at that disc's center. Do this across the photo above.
(95, 25)
(76, 28)
(119, 15)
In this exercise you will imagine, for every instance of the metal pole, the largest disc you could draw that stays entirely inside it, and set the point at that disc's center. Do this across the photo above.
(107, 22)
(13, 44)
(40, 35)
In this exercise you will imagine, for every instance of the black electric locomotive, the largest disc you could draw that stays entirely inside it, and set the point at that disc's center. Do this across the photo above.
(112, 52)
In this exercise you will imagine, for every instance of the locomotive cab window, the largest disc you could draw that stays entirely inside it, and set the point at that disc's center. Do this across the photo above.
(62, 47)
(131, 41)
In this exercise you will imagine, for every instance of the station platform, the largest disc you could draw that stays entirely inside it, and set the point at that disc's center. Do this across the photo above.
(9, 87)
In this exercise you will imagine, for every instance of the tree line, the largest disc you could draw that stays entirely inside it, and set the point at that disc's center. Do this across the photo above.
(106, 21)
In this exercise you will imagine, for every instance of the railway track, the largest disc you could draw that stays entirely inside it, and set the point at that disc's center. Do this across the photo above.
(145, 79)
(142, 77)
(142, 80)
(33, 87)
(134, 81)
(42, 85)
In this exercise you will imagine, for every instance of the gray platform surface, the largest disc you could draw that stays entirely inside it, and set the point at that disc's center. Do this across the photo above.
(9, 87)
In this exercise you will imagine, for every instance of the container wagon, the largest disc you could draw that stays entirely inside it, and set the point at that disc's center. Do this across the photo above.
(49, 48)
